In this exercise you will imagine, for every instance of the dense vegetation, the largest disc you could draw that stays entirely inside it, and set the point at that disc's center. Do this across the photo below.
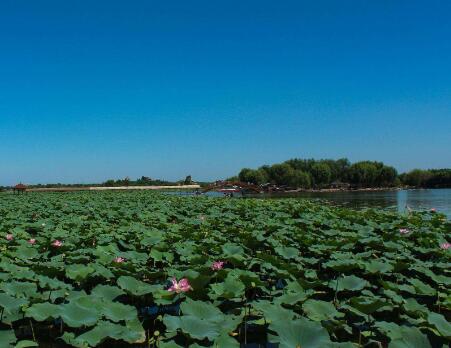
(432, 178)
(307, 173)
(143, 181)
(141, 269)
(310, 173)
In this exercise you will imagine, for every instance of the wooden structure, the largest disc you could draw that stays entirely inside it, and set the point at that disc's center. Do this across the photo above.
(232, 186)
(20, 188)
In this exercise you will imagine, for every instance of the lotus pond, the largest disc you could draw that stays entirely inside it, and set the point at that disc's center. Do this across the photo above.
(140, 269)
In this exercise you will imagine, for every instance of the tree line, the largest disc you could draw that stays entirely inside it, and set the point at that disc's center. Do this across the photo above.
(430, 178)
(142, 181)
(326, 173)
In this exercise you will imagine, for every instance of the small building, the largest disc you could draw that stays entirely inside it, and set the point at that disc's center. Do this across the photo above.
(20, 188)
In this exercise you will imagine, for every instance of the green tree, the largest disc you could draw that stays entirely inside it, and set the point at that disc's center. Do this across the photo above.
(256, 177)
(321, 174)
(280, 174)
(300, 179)
(387, 176)
(416, 177)
(363, 174)
(109, 183)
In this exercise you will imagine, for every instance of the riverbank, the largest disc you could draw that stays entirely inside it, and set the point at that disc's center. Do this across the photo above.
(113, 188)
(329, 190)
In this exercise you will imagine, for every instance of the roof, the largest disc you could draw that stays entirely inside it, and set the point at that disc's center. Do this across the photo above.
(20, 186)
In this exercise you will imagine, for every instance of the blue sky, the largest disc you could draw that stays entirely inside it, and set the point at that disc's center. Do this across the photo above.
(91, 90)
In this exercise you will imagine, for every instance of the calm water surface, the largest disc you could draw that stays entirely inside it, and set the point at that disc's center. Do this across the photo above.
(440, 199)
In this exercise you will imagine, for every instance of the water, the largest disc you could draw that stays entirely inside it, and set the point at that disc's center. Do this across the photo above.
(440, 199)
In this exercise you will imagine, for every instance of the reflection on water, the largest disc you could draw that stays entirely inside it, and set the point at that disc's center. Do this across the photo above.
(440, 199)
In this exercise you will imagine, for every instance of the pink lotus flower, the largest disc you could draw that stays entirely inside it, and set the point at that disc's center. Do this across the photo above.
(32, 241)
(217, 265)
(445, 246)
(404, 230)
(9, 237)
(181, 286)
(433, 210)
(57, 243)
(119, 259)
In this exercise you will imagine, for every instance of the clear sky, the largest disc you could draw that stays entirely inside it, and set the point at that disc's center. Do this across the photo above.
(91, 90)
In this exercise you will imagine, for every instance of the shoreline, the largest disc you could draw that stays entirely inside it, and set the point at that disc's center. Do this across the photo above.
(112, 188)
(329, 190)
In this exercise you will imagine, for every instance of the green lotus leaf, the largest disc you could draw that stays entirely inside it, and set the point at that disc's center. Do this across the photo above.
(348, 283)
(393, 296)
(20, 289)
(134, 332)
(88, 302)
(26, 252)
(376, 266)
(10, 303)
(294, 287)
(169, 344)
(201, 310)
(78, 272)
(408, 337)
(7, 337)
(101, 271)
(70, 339)
(233, 250)
(43, 311)
(152, 238)
(440, 323)
(301, 333)
(226, 341)
(368, 305)
(135, 287)
(195, 327)
(229, 323)
(388, 328)
(287, 252)
(24, 274)
(26, 343)
(100, 332)
(422, 288)
(230, 288)
(52, 283)
(292, 298)
(107, 292)
(9, 317)
(73, 295)
(274, 313)
(342, 265)
(172, 323)
(412, 307)
(320, 310)
(198, 328)
(76, 316)
(117, 312)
